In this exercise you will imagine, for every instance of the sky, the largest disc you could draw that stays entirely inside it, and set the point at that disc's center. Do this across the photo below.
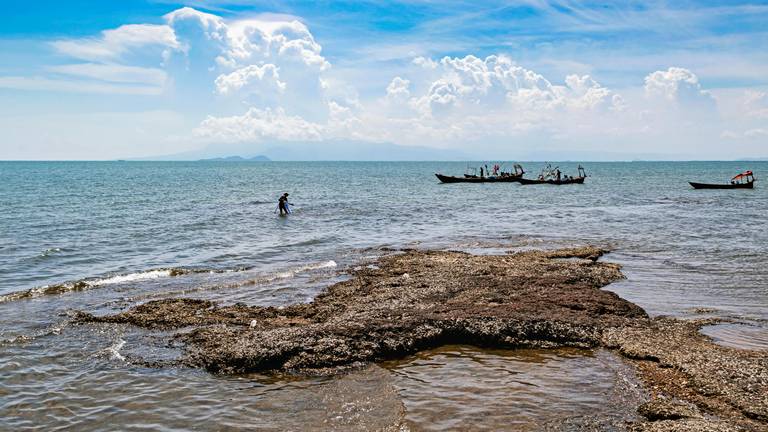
(98, 80)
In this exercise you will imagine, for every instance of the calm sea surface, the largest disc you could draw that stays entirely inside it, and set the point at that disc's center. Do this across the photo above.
(103, 236)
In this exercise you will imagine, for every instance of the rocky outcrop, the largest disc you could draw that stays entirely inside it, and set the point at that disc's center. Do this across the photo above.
(412, 301)
(675, 359)
(422, 299)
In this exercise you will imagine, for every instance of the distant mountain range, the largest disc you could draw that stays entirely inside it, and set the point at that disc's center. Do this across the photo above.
(368, 151)
(259, 158)
(314, 151)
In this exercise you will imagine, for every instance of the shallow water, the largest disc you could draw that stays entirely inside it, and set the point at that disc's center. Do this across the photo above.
(103, 236)
(461, 388)
(453, 387)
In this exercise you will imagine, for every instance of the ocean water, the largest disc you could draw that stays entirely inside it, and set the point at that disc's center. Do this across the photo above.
(101, 236)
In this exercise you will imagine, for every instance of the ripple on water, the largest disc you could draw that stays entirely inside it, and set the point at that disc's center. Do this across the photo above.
(460, 387)
(749, 336)
(82, 397)
(85, 381)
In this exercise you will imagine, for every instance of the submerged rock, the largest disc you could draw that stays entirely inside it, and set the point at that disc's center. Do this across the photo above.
(423, 299)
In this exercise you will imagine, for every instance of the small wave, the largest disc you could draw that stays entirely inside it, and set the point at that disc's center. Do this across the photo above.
(289, 273)
(132, 277)
(308, 267)
(44, 255)
(50, 251)
(25, 338)
(264, 279)
(85, 284)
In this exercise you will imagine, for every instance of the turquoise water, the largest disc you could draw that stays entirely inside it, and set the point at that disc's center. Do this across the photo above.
(100, 236)
(66, 221)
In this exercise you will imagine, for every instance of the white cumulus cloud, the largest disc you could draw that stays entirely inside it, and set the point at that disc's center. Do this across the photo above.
(260, 125)
(250, 76)
(273, 70)
(257, 125)
(473, 85)
(398, 88)
(679, 86)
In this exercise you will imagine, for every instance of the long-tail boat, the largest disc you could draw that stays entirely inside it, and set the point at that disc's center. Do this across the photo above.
(497, 176)
(745, 180)
(550, 175)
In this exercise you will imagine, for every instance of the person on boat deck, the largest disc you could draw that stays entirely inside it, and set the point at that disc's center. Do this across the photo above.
(557, 173)
(282, 204)
(481, 172)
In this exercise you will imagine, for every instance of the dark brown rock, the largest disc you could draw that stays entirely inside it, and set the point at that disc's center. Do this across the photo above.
(411, 301)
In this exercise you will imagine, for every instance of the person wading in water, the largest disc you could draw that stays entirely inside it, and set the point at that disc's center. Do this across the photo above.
(282, 204)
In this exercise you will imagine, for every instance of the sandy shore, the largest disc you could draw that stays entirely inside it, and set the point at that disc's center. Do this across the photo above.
(423, 299)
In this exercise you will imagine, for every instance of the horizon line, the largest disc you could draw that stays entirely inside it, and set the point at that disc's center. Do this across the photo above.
(385, 160)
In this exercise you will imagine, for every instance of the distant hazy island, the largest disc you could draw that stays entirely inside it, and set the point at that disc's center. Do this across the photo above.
(259, 158)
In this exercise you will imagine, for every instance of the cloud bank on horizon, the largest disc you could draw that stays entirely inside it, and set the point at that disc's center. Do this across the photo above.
(251, 78)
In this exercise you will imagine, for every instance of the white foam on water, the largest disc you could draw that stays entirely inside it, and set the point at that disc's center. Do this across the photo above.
(305, 268)
(114, 350)
(149, 275)
(263, 279)
(85, 284)
(316, 266)
(30, 293)
(131, 277)
(50, 251)
(38, 291)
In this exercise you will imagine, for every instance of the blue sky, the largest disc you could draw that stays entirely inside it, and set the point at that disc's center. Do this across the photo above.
(100, 80)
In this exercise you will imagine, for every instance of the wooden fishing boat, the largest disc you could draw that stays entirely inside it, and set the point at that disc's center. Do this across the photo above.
(745, 180)
(552, 176)
(499, 176)
(749, 185)
(562, 181)
(510, 178)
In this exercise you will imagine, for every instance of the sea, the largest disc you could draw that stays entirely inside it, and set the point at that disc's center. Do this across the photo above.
(103, 236)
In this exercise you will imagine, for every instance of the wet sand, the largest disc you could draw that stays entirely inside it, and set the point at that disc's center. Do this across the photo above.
(419, 300)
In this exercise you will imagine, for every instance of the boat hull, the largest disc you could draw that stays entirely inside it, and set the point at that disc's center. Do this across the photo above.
(749, 185)
(498, 179)
(576, 180)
